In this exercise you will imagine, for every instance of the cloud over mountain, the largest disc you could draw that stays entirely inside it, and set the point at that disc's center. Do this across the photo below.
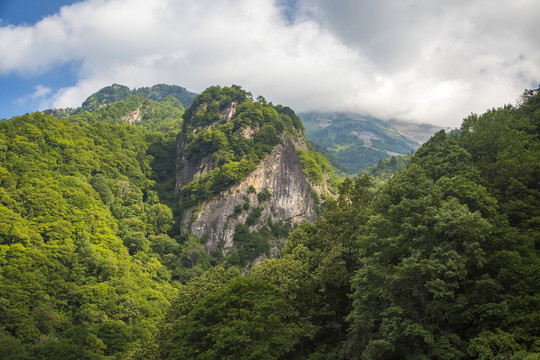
(413, 60)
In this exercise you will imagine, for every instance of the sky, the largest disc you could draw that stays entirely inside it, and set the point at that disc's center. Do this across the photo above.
(429, 61)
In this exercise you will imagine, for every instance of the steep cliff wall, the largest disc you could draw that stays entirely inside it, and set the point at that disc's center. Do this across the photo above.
(242, 174)
(281, 174)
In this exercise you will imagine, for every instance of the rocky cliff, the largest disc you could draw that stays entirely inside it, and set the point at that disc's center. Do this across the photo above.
(239, 168)
(279, 175)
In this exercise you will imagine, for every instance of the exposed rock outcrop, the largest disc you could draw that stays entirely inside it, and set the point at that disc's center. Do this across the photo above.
(133, 116)
(280, 172)
(240, 176)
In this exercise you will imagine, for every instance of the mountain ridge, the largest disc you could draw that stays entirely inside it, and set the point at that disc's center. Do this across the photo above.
(359, 141)
(116, 92)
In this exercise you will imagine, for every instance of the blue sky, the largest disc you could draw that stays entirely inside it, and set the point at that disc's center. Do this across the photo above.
(419, 60)
(29, 11)
(16, 89)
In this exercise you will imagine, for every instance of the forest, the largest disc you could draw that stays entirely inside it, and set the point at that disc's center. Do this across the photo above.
(438, 261)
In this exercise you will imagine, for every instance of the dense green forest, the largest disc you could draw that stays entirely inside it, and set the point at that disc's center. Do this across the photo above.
(385, 169)
(88, 256)
(440, 262)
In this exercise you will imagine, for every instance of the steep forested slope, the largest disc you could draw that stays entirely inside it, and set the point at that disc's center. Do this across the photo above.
(86, 261)
(78, 210)
(440, 263)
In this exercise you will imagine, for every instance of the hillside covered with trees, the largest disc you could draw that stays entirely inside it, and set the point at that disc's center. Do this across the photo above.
(91, 252)
(88, 257)
(440, 262)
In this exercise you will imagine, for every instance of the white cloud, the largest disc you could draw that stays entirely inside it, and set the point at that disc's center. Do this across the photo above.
(39, 98)
(41, 91)
(443, 60)
(418, 59)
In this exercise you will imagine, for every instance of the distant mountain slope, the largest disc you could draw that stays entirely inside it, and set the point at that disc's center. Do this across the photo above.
(416, 132)
(159, 107)
(358, 142)
(116, 92)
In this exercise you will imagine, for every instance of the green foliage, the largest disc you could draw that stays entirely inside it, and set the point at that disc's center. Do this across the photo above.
(444, 256)
(164, 115)
(215, 181)
(116, 93)
(289, 118)
(158, 219)
(381, 172)
(319, 261)
(340, 170)
(441, 262)
(162, 91)
(310, 166)
(73, 217)
(254, 215)
(317, 169)
(164, 344)
(264, 195)
(105, 96)
(236, 146)
(244, 319)
(249, 245)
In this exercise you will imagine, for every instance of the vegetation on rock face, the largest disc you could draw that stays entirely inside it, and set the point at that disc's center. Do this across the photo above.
(225, 135)
(235, 145)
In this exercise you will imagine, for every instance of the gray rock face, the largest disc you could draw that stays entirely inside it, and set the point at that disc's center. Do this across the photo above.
(280, 172)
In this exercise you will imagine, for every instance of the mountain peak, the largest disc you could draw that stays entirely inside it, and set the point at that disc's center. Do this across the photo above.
(106, 96)
(116, 92)
(243, 167)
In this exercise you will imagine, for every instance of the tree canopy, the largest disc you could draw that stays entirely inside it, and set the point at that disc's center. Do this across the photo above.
(439, 262)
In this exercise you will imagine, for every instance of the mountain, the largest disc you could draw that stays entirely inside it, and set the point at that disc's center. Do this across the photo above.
(87, 265)
(246, 173)
(108, 209)
(440, 262)
(358, 141)
(115, 92)
(147, 107)
(140, 229)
